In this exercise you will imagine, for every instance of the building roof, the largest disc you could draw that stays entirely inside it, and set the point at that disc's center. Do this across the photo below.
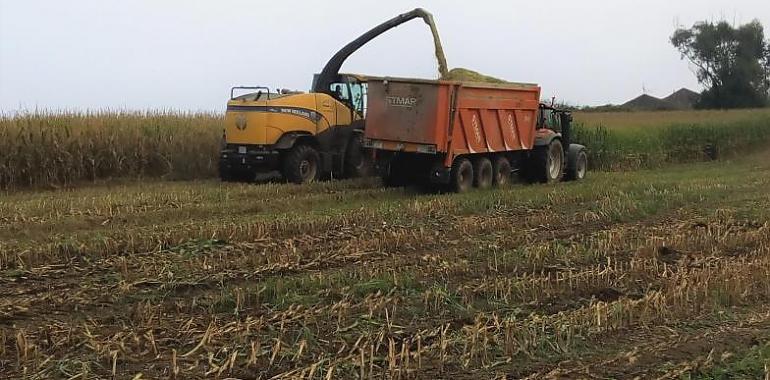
(681, 99)
(647, 103)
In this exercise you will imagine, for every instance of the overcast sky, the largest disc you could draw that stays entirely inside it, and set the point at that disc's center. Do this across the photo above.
(186, 54)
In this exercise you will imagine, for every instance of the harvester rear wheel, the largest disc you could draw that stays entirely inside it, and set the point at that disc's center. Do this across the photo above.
(501, 170)
(547, 163)
(300, 165)
(483, 174)
(461, 176)
(357, 162)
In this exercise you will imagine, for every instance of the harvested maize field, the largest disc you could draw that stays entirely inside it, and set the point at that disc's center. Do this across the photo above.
(655, 274)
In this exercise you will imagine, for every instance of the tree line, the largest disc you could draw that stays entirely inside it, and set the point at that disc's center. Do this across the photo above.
(732, 63)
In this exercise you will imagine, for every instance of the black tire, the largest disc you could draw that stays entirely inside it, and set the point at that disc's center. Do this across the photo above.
(393, 174)
(577, 166)
(357, 162)
(301, 164)
(225, 175)
(235, 175)
(461, 176)
(482, 173)
(501, 172)
(546, 164)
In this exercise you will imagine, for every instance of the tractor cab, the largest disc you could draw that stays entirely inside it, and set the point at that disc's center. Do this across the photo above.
(555, 123)
(553, 118)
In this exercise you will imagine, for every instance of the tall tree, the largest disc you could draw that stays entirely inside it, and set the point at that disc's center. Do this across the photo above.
(732, 63)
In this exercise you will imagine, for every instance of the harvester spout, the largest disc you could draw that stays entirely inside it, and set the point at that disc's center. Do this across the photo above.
(331, 70)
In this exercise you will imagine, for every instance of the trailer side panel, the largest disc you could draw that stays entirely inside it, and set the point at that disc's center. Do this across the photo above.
(450, 118)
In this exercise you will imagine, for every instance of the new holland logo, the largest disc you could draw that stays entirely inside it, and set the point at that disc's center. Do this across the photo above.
(240, 122)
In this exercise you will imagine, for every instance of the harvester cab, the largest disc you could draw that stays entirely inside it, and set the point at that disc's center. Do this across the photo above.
(349, 89)
(306, 136)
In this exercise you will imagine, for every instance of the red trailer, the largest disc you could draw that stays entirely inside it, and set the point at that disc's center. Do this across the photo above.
(467, 134)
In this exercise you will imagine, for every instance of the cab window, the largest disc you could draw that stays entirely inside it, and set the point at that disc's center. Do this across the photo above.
(340, 91)
(549, 119)
(545, 115)
(555, 122)
(358, 97)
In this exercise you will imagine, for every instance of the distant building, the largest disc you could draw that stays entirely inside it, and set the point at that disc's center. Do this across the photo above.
(682, 99)
(647, 103)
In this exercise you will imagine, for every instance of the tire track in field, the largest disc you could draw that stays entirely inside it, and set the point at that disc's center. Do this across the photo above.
(663, 225)
(328, 250)
(70, 286)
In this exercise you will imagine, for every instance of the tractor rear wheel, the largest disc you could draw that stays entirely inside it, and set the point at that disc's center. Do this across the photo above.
(547, 163)
(301, 164)
(501, 170)
(461, 176)
(483, 174)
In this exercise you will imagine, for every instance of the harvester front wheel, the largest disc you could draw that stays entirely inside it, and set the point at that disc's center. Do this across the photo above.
(236, 175)
(461, 176)
(482, 170)
(547, 163)
(501, 172)
(300, 165)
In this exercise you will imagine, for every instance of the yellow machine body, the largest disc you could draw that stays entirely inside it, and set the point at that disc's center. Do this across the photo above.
(264, 120)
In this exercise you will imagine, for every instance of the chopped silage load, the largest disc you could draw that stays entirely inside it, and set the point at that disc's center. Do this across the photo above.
(465, 75)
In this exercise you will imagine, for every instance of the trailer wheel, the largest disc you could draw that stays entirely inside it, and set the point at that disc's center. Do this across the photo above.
(300, 165)
(394, 175)
(482, 172)
(461, 175)
(501, 172)
(547, 163)
(577, 164)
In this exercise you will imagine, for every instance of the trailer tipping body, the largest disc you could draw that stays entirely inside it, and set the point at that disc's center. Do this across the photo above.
(434, 130)
(450, 118)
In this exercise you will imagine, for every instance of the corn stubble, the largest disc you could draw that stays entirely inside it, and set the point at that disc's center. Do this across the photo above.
(384, 285)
